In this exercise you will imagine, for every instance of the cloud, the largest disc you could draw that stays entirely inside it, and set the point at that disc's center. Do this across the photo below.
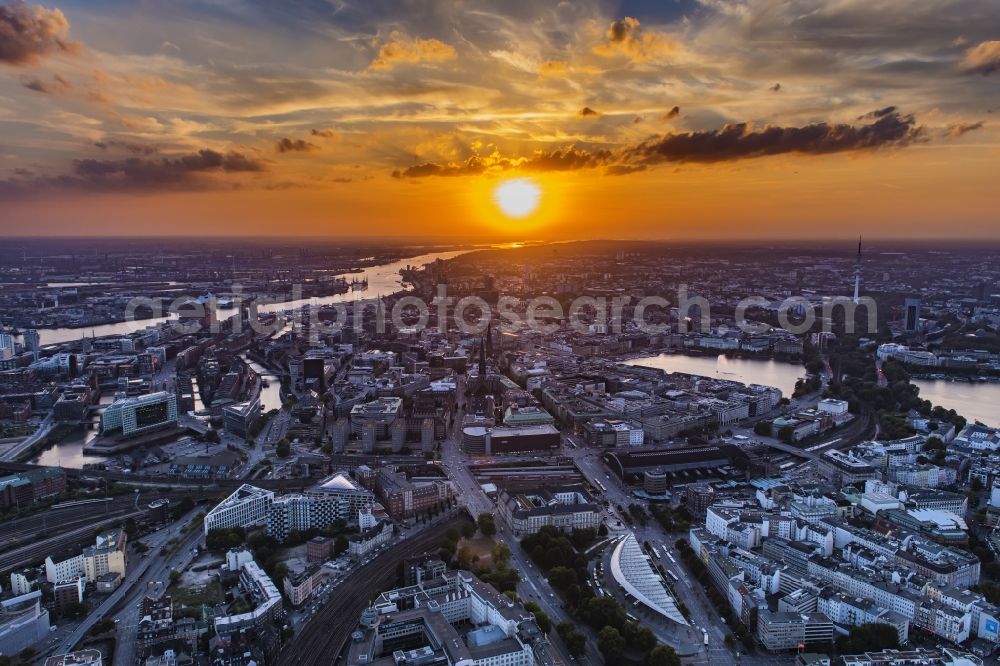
(958, 129)
(626, 37)
(127, 146)
(286, 145)
(740, 141)
(587, 112)
(553, 68)
(775, 88)
(569, 158)
(624, 169)
(193, 171)
(58, 84)
(400, 49)
(325, 133)
(672, 113)
(984, 58)
(30, 32)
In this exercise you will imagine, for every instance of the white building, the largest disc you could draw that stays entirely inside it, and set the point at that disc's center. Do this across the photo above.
(832, 406)
(265, 594)
(246, 507)
(23, 622)
(19, 584)
(134, 416)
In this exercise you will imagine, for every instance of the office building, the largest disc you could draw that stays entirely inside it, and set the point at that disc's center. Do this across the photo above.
(565, 508)
(780, 631)
(911, 314)
(23, 622)
(134, 416)
(246, 507)
(239, 418)
(298, 513)
(255, 583)
(456, 620)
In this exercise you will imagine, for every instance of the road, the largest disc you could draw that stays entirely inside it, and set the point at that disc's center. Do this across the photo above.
(155, 567)
(16, 451)
(533, 585)
(138, 573)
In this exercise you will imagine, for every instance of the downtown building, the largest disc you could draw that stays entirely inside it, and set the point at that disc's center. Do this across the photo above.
(246, 507)
(566, 508)
(455, 619)
(135, 416)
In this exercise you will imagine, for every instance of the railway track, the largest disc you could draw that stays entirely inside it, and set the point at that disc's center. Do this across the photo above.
(324, 637)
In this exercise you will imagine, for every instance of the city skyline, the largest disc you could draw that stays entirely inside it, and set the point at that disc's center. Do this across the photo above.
(629, 120)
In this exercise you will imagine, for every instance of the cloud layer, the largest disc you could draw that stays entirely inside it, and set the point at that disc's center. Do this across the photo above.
(29, 32)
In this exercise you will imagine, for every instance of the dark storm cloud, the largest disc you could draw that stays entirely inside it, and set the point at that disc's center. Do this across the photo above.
(28, 32)
(128, 146)
(569, 158)
(624, 169)
(732, 142)
(587, 112)
(140, 174)
(741, 141)
(286, 145)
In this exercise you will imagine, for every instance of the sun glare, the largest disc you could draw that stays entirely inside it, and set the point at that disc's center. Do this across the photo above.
(518, 197)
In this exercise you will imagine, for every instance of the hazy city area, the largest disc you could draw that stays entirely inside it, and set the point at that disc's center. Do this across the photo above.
(594, 452)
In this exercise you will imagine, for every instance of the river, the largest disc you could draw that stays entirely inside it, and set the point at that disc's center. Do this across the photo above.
(383, 280)
(747, 370)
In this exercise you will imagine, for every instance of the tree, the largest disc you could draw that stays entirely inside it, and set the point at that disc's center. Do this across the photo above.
(786, 434)
(486, 524)
(869, 637)
(468, 530)
(175, 576)
(611, 643)
(762, 428)
(340, 544)
(562, 577)
(575, 640)
(541, 618)
(501, 552)
(663, 655)
(284, 448)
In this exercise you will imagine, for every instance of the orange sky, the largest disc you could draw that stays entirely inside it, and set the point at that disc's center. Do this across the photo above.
(637, 120)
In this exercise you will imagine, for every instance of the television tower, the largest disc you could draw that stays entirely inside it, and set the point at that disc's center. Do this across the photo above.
(857, 274)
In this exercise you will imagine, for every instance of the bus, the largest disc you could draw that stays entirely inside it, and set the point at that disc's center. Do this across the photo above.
(600, 485)
(673, 576)
(656, 553)
(705, 634)
(631, 617)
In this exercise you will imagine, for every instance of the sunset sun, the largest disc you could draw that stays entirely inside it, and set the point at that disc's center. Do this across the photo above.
(518, 197)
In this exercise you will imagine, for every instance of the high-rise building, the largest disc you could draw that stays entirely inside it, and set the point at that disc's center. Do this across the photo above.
(32, 342)
(911, 314)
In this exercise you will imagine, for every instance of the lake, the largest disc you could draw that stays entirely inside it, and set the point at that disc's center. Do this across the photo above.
(746, 370)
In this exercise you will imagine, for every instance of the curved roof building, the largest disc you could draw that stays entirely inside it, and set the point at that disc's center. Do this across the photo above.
(632, 570)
